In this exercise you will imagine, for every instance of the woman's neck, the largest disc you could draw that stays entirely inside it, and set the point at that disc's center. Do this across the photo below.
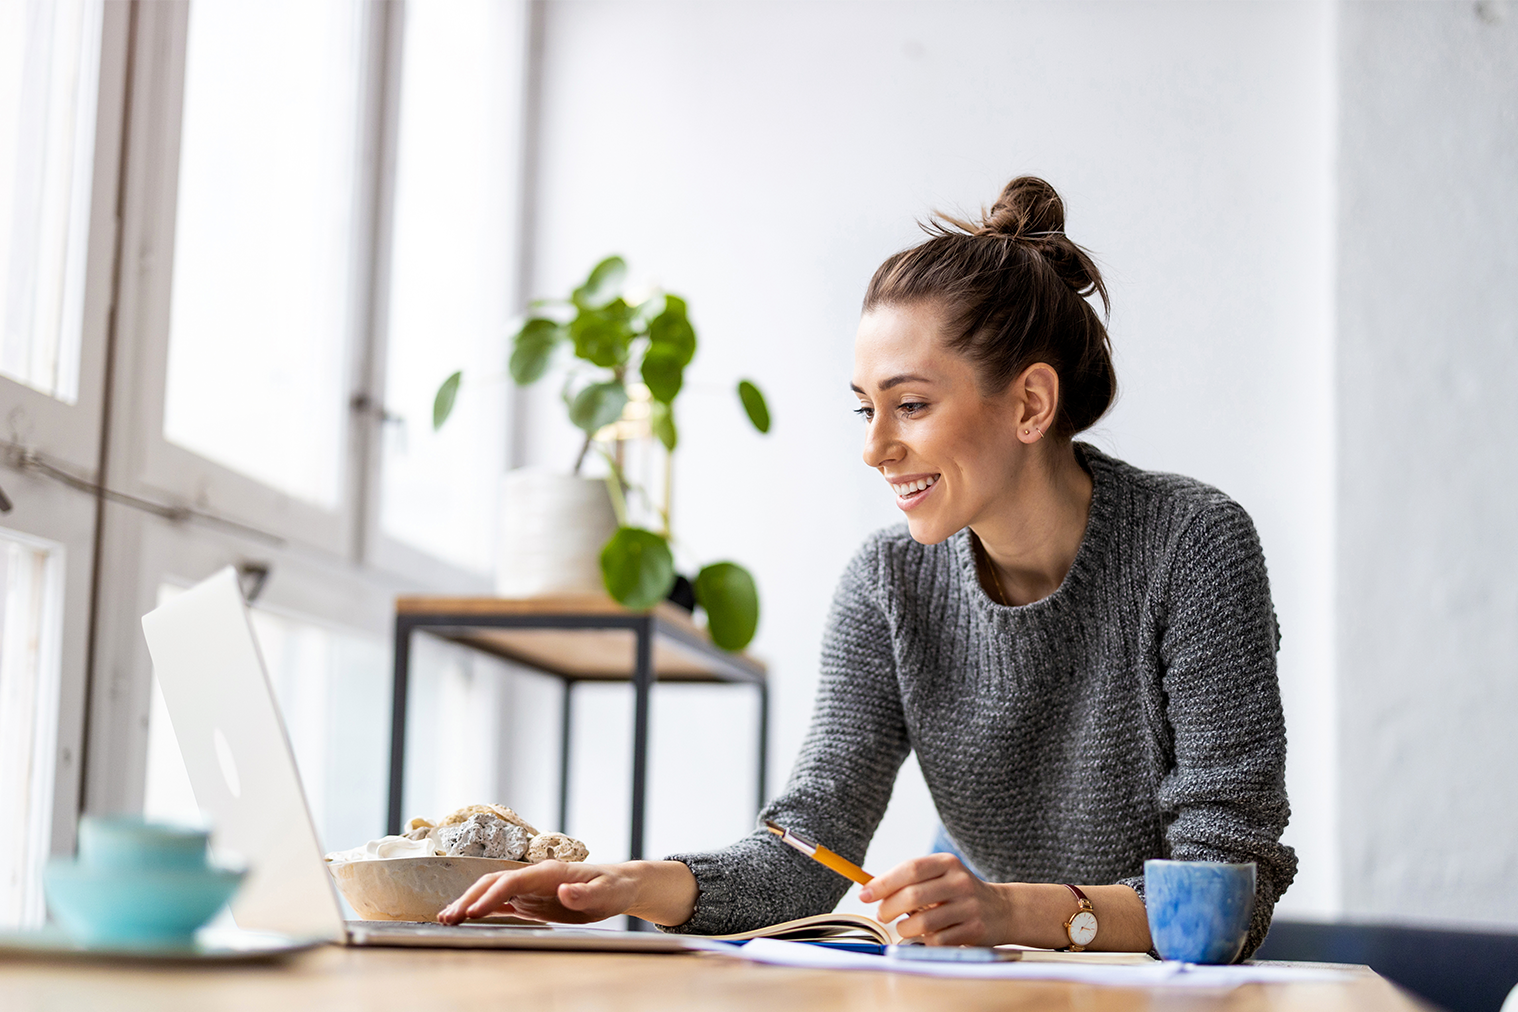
(1030, 539)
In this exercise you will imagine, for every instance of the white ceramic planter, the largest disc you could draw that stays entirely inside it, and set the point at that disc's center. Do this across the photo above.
(553, 528)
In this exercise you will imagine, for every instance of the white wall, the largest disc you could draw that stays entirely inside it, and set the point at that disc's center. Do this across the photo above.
(1428, 550)
(762, 158)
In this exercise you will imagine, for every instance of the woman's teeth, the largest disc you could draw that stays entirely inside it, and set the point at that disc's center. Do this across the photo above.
(913, 486)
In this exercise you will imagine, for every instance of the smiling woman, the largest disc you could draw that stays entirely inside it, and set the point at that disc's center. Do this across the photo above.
(1080, 653)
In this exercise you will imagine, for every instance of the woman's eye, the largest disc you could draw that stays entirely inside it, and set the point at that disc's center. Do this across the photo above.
(911, 407)
(865, 413)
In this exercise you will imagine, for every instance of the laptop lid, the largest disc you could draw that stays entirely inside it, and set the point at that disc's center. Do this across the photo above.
(239, 759)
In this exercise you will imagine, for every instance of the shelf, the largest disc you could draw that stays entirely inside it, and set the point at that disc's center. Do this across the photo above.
(580, 637)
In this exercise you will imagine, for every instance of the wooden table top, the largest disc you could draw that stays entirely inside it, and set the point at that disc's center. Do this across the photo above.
(589, 654)
(419, 980)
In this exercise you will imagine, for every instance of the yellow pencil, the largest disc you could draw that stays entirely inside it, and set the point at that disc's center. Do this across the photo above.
(817, 852)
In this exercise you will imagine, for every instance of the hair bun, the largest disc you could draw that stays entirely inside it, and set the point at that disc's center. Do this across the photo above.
(1028, 208)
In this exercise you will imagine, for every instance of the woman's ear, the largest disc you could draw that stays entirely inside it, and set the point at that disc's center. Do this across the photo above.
(1036, 393)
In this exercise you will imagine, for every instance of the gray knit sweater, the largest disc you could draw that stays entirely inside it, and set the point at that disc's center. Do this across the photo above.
(1134, 713)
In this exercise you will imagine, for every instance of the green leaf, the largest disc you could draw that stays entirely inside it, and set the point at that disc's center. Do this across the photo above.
(661, 420)
(601, 338)
(603, 285)
(637, 568)
(671, 330)
(597, 406)
(727, 592)
(646, 311)
(442, 404)
(753, 404)
(532, 348)
(663, 371)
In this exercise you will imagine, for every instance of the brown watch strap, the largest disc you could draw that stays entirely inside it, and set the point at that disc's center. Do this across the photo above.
(1083, 906)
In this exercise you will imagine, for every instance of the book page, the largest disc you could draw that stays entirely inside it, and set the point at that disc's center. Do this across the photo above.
(823, 927)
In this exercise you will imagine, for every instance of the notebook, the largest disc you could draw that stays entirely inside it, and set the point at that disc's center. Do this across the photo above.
(859, 929)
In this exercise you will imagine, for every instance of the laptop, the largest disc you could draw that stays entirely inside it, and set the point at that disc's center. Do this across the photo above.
(243, 772)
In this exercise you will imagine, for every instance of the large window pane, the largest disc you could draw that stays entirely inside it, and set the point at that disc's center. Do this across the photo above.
(31, 595)
(450, 290)
(264, 241)
(49, 72)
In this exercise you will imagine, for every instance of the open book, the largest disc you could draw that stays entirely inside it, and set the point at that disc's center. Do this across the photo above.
(858, 928)
(823, 928)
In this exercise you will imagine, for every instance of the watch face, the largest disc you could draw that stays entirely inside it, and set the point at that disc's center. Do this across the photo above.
(1083, 928)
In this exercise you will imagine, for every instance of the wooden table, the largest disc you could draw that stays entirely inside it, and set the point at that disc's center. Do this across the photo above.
(580, 638)
(376, 980)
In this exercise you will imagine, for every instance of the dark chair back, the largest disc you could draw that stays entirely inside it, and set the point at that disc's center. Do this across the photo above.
(1461, 971)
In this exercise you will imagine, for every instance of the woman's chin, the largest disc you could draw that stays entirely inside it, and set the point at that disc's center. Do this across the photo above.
(925, 531)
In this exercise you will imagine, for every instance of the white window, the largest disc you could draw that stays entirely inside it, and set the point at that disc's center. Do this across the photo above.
(31, 596)
(264, 255)
(292, 286)
(313, 203)
(451, 287)
(49, 70)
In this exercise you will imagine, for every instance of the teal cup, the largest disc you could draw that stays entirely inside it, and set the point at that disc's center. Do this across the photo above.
(1199, 911)
(137, 883)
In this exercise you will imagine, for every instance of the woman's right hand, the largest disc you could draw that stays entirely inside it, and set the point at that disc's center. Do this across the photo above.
(661, 891)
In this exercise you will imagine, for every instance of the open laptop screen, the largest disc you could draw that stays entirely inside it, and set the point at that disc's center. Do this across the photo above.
(239, 760)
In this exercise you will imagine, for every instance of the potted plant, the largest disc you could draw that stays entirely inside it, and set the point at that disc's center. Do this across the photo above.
(628, 365)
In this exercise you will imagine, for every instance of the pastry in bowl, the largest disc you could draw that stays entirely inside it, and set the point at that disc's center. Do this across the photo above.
(412, 876)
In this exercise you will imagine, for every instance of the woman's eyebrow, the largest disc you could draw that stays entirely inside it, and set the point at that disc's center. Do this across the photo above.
(894, 381)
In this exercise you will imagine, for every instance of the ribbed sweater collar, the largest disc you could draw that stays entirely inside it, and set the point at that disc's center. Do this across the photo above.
(1094, 546)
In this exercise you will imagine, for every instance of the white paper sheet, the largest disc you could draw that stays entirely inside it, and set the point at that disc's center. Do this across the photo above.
(818, 957)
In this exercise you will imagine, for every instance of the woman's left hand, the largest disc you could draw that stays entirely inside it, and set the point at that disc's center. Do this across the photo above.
(948, 905)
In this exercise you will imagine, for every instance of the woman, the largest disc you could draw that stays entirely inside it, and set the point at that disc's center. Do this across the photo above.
(1082, 654)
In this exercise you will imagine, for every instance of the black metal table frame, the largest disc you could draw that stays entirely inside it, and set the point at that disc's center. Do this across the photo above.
(644, 626)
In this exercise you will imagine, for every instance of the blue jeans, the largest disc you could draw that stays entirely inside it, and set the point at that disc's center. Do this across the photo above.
(942, 844)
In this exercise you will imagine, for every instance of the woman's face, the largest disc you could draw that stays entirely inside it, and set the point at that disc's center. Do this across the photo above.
(948, 452)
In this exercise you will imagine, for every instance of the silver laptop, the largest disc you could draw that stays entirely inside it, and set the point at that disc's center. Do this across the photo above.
(243, 772)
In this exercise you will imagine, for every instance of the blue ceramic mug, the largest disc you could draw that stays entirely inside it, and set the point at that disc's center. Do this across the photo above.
(1199, 911)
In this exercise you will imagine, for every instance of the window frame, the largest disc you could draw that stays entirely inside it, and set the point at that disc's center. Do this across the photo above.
(335, 567)
(68, 436)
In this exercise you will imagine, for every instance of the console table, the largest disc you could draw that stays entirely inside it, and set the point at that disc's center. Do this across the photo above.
(579, 638)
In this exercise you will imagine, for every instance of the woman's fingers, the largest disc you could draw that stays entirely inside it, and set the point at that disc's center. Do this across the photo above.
(493, 892)
(907, 872)
(932, 882)
(539, 881)
(944, 904)
(453, 913)
(957, 923)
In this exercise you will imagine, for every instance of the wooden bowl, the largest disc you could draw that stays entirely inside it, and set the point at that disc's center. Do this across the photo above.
(410, 888)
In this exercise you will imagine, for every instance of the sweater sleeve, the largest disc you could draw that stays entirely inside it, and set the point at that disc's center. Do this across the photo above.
(841, 783)
(1223, 797)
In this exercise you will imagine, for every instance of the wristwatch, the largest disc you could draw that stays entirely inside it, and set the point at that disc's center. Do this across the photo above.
(1081, 927)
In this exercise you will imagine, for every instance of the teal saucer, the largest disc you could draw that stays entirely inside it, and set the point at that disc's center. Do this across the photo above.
(209, 945)
(149, 907)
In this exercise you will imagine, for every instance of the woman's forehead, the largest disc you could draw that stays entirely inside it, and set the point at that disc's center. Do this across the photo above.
(902, 344)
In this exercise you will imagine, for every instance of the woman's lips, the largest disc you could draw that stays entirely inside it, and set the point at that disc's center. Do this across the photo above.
(910, 502)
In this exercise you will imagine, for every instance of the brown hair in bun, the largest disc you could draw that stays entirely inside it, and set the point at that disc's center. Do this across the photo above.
(1013, 289)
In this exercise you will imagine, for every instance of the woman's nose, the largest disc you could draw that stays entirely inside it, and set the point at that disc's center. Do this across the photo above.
(880, 445)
